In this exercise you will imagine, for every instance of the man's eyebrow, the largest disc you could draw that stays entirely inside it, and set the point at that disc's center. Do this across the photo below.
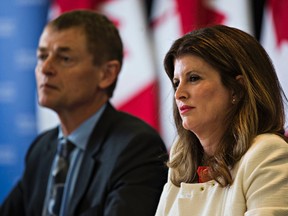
(60, 49)
(41, 49)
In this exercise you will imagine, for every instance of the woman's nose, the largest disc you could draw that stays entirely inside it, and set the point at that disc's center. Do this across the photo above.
(180, 92)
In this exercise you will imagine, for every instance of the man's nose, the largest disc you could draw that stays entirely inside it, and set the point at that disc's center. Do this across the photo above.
(48, 66)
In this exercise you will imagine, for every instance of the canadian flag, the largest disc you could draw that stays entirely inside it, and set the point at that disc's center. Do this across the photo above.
(142, 74)
(170, 20)
(137, 90)
(274, 38)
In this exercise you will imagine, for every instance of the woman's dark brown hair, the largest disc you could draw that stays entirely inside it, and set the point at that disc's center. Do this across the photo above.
(260, 109)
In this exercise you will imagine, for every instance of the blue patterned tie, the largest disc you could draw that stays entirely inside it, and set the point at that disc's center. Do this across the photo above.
(59, 174)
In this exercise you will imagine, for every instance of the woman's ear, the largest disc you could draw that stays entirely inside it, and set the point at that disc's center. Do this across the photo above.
(110, 71)
(240, 79)
(236, 96)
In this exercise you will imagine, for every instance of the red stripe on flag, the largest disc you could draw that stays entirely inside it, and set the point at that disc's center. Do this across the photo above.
(144, 105)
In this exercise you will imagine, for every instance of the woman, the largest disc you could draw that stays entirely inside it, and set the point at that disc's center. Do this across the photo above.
(231, 157)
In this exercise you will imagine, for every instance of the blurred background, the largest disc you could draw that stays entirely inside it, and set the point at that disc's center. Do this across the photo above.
(148, 28)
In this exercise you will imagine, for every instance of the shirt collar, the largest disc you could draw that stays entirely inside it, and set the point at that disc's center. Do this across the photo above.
(80, 135)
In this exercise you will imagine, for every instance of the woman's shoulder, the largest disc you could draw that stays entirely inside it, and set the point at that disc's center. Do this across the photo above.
(266, 148)
(262, 174)
(268, 142)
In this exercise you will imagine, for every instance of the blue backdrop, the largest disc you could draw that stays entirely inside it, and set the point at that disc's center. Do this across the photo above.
(21, 23)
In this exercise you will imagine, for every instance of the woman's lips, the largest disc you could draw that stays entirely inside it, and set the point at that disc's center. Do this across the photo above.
(185, 108)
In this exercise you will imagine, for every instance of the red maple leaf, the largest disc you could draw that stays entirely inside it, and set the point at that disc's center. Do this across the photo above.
(279, 10)
(196, 13)
(68, 5)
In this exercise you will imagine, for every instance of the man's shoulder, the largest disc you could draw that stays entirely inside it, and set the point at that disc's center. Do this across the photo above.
(134, 124)
(47, 135)
(127, 121)
(43, 141)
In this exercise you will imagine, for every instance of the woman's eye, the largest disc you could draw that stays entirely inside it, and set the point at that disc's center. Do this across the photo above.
(194, 78)
(175, 84)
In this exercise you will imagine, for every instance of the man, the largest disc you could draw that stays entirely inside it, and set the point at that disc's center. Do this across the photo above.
(116, 163)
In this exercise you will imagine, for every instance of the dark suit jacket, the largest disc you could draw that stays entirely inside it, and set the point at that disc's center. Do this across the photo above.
(122, 172)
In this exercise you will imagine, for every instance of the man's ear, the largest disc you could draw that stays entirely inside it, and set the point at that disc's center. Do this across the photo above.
(110, 71)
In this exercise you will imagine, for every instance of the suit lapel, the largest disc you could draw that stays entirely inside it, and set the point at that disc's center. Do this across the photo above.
(45, 160)
(88, 167)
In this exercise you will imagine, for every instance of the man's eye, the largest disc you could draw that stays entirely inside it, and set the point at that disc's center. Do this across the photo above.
(65, 58)
(41, 57)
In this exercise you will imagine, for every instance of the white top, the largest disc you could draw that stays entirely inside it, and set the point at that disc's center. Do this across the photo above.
(260, 186)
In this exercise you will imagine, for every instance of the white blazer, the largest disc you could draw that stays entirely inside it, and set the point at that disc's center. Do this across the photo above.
(260, 186)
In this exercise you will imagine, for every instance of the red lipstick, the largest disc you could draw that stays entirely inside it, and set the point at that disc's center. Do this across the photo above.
(185, 108)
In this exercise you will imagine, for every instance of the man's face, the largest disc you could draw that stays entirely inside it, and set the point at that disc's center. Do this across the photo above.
(66, 77)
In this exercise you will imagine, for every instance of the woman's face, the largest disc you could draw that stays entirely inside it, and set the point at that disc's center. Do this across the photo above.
(202, 100)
